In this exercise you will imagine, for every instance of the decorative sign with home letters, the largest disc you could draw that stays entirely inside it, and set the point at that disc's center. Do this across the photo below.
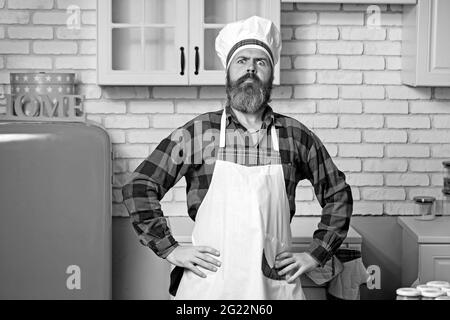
(43, 97)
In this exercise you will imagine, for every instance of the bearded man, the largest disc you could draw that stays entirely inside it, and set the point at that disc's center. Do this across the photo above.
(243, 201)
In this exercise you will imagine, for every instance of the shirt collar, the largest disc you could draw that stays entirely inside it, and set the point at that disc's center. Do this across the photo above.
(269, 117)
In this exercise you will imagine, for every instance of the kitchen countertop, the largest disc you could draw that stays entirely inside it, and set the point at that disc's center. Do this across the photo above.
(302, 230)
(433, 231)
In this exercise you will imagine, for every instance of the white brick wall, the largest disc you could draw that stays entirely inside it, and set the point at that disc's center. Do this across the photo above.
(316, 62)
(362, 92)
(361, 121)
(339, 135)
(341, 18)
(385, 165)
(385, 136)
(12, 17)
(55, 47)
(316, 32)
(30, 32)
(340, 77)
(354, 33)
(14, 47)
(26, 4)
(316, 92)
(339, 106)
(361, 63)
(50, 17)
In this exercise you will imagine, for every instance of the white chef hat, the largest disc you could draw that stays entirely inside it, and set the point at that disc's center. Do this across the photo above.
(254, 32)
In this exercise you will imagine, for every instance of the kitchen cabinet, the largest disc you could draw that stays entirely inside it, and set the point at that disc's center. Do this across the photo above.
(425, 46)
(169, 42)
(141, 42)
(302, 231)
(425, 250)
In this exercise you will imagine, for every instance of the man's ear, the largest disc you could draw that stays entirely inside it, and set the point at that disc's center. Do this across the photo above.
(227, 78)
(272, 76)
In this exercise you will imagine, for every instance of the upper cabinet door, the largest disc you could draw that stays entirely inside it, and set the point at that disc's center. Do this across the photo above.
(437, 42)
(426, 43)
(142, 42)
(207, 17)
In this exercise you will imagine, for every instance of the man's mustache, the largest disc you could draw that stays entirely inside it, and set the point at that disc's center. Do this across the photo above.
(248, 76)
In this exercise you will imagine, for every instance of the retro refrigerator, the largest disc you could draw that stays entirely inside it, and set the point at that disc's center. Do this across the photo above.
(55, 210)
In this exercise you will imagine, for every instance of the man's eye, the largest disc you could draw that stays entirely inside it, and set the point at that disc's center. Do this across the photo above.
(261, 63)
(240, 61)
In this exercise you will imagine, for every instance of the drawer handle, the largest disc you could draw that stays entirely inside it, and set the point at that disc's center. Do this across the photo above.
(197, 60)
(182, 60)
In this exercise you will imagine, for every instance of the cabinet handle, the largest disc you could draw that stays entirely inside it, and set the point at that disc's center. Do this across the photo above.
(197, 60)
(182, 60)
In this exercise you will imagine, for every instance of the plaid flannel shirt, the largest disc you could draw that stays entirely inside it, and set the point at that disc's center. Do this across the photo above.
(190, 152)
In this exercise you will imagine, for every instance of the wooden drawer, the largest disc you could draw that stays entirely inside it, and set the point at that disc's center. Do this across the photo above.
(434, 262)
(425, 250)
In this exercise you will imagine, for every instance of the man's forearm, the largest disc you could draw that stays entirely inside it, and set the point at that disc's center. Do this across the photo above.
(333, 226)
(141, 197)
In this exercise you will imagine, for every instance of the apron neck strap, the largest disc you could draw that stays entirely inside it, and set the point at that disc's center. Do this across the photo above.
(274, 135)
(223, 123)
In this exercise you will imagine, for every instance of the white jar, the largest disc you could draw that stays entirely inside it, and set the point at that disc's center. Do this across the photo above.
(424, 208)
(431, 294)
(421, 287)
(446, 289)
(438, 284)
(407, 294)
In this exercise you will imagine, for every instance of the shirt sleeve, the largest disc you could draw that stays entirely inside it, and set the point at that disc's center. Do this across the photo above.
(147, 185)
(335, 198)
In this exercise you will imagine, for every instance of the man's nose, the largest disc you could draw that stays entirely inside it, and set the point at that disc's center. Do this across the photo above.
(251, 68)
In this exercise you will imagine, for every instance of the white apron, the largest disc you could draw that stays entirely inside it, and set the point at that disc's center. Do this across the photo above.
(245, 215)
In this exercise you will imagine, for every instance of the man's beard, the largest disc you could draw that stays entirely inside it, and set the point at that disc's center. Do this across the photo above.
(248, 97)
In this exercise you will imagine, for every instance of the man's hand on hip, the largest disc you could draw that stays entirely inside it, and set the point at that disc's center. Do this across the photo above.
(190, 257)
(294, 264)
